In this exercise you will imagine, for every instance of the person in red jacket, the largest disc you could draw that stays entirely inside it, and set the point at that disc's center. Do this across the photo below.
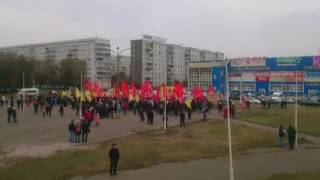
(225, 112)
(125, 108)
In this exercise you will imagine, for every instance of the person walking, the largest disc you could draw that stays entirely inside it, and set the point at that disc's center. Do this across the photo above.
(9, 112)
(14, 114)
(72, 131)
(98, 120)
(85, 130)
(61, 109)
(182, 119)
(114, 156)
(282, 135)
(291, 137)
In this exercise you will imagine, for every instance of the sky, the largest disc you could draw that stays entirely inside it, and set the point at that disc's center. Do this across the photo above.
(237, 28)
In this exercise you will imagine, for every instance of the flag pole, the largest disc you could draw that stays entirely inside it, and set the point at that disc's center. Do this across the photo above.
(231, 173)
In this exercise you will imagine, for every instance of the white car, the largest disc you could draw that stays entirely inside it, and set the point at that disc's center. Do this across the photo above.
(28, 92)
(253, 100)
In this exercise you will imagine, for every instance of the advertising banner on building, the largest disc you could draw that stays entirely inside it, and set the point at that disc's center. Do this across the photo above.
(312, 76)
(248, 62)
(248, 76)
(286, 76)
(262, 76)
(234, 76)
(288, 61)
(316, 62)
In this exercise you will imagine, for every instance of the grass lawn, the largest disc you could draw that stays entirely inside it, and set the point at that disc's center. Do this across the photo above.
(313, 175)
(308, 117)
(199, 140)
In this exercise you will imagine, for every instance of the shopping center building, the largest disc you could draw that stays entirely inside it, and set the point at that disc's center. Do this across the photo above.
(263, 75)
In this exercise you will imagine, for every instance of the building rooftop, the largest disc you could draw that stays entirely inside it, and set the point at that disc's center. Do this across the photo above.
(55, 43)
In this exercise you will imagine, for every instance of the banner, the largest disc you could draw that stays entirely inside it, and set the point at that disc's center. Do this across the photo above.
(248, 62)
(286, 76)
(262, 76)
(288, 61)
(312, 76)
(316, 62)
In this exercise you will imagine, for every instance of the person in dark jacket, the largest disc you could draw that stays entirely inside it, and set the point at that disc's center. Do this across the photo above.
(85, 126)
(72, 131)
(9, 112)
(14, 114)
(114, 156)
(291, 137)
(282, 135)
(182, 119)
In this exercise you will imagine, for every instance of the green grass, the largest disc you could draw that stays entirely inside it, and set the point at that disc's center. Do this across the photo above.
(308, 117)
(313, 175)
(199, 140)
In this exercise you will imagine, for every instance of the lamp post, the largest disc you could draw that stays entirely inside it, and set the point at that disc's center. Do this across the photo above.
(231, 173)
(296, 106)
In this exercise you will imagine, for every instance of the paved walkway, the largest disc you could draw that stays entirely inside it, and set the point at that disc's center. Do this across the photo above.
(257, 165)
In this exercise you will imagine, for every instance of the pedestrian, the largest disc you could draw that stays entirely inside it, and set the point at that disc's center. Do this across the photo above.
(282, 135)
(189, 113)
(98, 120)
(232, 110)
(14, 114)
(114, 156)
(61, 109)
(291, 137)
(85, 130)
(78, 133)
(72, 131)
(9, 112)
(182, 119)
(225, 112)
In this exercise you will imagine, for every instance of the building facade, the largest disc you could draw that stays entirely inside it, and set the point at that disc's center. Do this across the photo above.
(155, 60)
(264, 75)
(95, 51)
(124, 65)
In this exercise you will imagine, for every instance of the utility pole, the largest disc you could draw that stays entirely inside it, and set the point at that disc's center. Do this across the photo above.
(296, 109)
(118, 65)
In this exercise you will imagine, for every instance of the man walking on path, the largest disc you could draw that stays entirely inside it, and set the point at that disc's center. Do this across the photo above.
(291, 137)
(72, 131)
(9, 112)
(114, 156)
(182, 119)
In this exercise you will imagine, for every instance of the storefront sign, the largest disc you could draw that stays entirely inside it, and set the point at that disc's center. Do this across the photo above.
(248, 62)
(313, 76)
(262, 76)
(316, 62)
(285, 76)
(288, 61)
(248, 76)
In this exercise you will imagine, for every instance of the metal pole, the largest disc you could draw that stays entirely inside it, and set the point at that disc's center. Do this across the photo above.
(231, 174)
(118, 65)
(296, 110)
(165, 107)
(23, 95)
(81, 91)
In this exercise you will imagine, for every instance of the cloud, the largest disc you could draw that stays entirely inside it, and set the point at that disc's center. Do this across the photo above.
(238, 28)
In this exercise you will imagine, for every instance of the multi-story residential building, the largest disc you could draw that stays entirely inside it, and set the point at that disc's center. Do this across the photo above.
(124, 65)
(95, 51)
(153, 59)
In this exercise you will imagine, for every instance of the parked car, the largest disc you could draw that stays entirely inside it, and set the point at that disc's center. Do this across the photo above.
(311, 101)
(254, 100)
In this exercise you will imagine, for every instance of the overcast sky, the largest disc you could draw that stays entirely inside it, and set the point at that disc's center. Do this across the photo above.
(235, 27)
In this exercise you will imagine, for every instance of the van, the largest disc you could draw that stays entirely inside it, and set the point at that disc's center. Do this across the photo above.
(28, 92)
